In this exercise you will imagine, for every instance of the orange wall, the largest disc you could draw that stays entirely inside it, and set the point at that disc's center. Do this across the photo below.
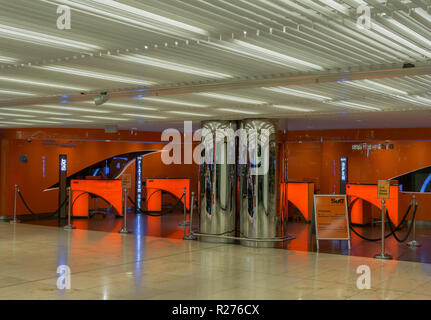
(316, 157)
(90, 146)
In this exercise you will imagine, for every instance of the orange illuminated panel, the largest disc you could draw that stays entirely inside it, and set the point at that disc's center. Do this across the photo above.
(175, 186)
(109, 190)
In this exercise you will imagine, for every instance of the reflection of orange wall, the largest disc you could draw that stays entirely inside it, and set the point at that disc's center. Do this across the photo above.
(90, 146)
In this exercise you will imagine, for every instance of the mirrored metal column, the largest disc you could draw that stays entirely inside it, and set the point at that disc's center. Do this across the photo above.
(260, 214)
(218, 180)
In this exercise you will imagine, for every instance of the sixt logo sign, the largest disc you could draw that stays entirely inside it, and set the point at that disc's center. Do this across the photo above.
(337, 200)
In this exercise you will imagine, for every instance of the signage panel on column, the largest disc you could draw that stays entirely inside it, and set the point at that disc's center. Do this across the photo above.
(343, 174)
(62, 188)
(138, 184)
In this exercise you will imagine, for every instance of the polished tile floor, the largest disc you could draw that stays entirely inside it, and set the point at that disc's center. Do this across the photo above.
(168, 226)
(107, 265)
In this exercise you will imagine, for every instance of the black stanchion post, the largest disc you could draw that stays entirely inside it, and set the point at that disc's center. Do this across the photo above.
(69, 225)
(382, 255)
(191, 236)
(124, 229)
(414, 243)
(15, 220)
(184, 223)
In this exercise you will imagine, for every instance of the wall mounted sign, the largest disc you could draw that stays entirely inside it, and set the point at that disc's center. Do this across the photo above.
(62, 188)
(331, 218)
(138, 184)
(368, 146)
(343, 174)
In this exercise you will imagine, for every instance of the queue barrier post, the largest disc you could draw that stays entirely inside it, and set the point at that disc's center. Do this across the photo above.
(414, 243)
(69, 225)
(382, 255)
(191, 235)
(15, 220)
(184, 223)
(124, 229)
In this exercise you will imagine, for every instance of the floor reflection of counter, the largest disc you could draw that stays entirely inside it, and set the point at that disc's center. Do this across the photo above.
(168, 226)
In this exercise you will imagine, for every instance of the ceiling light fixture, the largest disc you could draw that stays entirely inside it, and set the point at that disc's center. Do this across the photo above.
(73, 108)
(95, 75)
(39, 121)
(279, 56)
(298, 93)
(17, 93)
(143, 116)
(155, 17)
(425, 100)
(37, 111)
(71, 120)
(176, 102)
(128, 106)
(411, 100)
(230, 98)
(43, 39)
(355, 105)
(172, 66)
(40, 84)
(237, 111)
(337, 6)
(292, 108)
(106, 118)
(173, 26)
(15, 115)
(374, 86)
(7, 60)
(13, 123)
(409, 31)
(395, 37)
(190, 113)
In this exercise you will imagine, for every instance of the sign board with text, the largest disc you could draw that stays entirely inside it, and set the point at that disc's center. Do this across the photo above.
(126, 181)
(331, 217)
(383, 188)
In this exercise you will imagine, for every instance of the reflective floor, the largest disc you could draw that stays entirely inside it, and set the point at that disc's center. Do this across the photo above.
(168, 226)
(107, 265)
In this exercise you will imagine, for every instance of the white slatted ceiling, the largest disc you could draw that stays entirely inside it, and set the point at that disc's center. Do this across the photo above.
(310, 31)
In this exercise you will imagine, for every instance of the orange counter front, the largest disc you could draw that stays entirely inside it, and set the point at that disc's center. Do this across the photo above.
(154, 188)
(300, 194)
(368, 192)
(109, 190)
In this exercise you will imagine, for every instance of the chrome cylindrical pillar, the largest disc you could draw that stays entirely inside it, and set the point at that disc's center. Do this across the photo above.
(217, 179)
(259, 170)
